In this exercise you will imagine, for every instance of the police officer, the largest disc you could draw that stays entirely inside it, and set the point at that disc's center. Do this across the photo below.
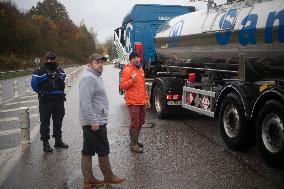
(48, 82)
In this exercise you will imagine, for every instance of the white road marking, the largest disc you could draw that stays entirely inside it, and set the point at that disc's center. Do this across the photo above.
(16, 109)
(23, 97)
(16, 118)
(9, 132)
(22, 102)
(10, 157)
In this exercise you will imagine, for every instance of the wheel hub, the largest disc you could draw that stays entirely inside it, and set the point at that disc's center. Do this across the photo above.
(231, 121)
(273, 133)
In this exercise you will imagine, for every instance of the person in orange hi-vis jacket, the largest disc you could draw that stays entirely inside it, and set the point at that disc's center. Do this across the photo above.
(136, 98)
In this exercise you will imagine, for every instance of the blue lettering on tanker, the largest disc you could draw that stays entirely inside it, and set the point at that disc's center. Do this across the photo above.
(174, 36)
(247, 35)
(223, 38)
(128, 38)
(272, 17)
(228, 22)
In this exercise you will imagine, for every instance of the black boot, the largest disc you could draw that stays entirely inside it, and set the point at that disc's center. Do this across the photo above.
(133, 132)
(60, 144)
(46, 147)
(138, 143)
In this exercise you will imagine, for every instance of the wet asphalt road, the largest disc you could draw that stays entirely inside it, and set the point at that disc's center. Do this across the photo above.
(179, 152)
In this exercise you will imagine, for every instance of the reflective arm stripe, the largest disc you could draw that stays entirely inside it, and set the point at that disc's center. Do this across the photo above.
(35, 82)
(39, 75)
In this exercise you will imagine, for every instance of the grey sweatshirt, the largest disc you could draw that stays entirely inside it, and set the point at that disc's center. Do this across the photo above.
(93, 99)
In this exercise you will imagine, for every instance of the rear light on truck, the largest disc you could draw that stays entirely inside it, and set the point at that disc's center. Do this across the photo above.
(173, 97)
(191, 77)
(140, 50)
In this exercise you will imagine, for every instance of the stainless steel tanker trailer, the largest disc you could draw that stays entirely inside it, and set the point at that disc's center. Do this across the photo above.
(226, 62)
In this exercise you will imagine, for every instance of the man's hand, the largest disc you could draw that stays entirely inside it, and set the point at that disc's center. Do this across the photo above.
(95, 127)
(133, 76)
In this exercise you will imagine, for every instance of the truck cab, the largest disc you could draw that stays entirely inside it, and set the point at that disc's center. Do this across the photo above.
(139, 28)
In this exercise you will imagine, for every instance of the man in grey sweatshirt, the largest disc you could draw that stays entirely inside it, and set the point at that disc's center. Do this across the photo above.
(94, 117)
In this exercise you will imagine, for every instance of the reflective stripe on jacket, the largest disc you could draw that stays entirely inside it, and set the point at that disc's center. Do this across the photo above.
(135, 91)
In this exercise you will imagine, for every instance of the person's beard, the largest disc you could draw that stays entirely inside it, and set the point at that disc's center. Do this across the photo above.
(100, 70)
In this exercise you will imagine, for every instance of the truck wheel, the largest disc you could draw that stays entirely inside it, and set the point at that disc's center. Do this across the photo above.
(270, 133)
(159, 101)
(233, 125)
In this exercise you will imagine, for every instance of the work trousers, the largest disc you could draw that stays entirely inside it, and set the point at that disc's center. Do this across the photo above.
(137, 115)
(51, 108)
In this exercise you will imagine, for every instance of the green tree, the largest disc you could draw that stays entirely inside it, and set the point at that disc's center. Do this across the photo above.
(45, 27)
(8, 22)
(66, 36)
(84, 42)
(49, 34)
(27, 37)
(51, 9)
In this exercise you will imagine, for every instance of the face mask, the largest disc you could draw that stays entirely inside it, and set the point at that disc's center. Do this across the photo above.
(50, 65)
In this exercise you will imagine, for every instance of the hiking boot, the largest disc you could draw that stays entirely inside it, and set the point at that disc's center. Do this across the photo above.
(140, 144)
(109, 176)
(138, 133)
(46, 147)
(136, 149)
(89, 179)
(60, 144)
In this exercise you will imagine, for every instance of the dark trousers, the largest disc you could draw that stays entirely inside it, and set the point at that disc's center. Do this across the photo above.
(95, 141)
(51, 108)
(137, 115)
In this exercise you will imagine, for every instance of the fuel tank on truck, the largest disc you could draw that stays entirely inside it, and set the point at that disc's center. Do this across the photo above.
(223, 32)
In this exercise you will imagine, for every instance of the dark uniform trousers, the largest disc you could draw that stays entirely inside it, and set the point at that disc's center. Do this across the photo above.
(51, 108)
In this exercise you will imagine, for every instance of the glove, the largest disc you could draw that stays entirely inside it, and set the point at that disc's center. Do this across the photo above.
(62, 77)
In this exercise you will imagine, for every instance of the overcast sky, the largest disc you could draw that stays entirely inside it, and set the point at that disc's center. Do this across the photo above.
(102, 15)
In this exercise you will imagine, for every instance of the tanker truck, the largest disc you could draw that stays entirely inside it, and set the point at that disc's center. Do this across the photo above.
(225, 62)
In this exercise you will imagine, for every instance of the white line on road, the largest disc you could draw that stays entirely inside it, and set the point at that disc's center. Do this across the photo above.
(9, 132)
(23, 97)
(22, 102)
(16, 109)
(16, 118)
(9, 157)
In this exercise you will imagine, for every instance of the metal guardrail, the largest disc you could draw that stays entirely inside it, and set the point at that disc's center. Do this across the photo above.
(70, 77)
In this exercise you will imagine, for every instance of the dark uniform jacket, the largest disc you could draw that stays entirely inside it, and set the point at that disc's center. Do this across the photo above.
(49, 83)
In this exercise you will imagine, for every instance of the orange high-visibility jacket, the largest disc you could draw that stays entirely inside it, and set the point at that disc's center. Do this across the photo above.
(135, 91)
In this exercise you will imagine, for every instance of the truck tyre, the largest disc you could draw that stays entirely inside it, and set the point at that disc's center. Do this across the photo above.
(159, 101)
(270, 133)
(233, 124)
